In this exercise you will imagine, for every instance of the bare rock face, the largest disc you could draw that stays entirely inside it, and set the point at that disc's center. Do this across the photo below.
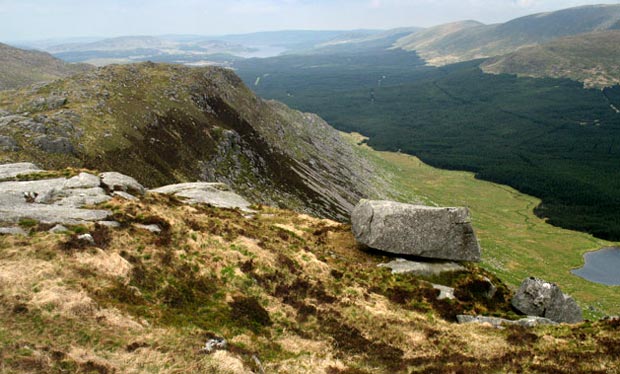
(537, 297)
(437, 233)
(216, 194)
(20, 168)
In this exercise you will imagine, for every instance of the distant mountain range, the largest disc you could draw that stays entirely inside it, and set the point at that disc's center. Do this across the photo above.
(20, 67)
(470, 40)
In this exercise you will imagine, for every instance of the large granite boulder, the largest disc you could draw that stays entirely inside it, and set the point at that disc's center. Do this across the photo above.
(537, 297)
(437, 233)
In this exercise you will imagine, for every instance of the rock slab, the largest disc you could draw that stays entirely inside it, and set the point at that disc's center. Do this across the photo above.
(537, 297)
(217, 194)
(417, 230)
(423, 269)
(529, 321)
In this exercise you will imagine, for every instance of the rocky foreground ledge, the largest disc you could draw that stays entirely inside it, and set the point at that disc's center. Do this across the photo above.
(29, 193)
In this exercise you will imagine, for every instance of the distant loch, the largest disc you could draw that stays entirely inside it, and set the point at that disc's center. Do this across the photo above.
(602, 266)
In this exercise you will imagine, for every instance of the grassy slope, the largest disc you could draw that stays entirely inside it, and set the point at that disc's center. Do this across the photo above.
(516, 244)
(19, 67)
(291, 289)
(590, 58)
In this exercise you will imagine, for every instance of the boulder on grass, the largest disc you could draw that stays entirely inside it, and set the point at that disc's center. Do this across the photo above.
(537, 297)
(437, 233)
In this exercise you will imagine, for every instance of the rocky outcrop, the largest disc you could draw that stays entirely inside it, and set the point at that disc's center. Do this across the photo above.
(437, 233)
(529, 321)
(114, 181)
(216, 194)
(8, 171)
(201, 124)
(537, 297)
(8, 144)
(423, 269)
(56, 200)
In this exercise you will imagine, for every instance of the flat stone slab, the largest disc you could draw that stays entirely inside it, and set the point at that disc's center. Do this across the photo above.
(530, 321)
(53, 201)
(417, 230)
(13, 170)
(424, 269)
(217, 194)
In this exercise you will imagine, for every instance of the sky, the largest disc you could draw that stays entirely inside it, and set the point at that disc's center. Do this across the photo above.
(46, 19)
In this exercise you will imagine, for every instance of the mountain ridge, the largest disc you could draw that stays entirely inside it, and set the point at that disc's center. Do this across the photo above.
(589, 58)
(19, 67)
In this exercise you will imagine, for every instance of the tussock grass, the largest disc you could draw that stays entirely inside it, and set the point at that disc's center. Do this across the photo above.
(292, 290)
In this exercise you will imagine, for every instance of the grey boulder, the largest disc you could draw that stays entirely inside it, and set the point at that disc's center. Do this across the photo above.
(114, 181)
(52, 144)
(537, 297)
(437, 233)
(83, 180)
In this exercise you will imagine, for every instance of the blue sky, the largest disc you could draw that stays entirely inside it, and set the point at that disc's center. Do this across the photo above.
(42, 19)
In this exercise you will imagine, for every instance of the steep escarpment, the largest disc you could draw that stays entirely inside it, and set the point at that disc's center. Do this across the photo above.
(165, 124)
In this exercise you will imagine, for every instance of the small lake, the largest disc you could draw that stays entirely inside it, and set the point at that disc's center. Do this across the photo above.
(602, 266)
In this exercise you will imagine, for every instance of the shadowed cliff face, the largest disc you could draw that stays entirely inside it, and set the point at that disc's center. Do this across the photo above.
(166, 124)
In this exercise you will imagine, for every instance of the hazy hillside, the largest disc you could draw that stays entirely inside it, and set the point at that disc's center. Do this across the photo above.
(590, 58)
(167, 123)
(466, 41)
(20, 67)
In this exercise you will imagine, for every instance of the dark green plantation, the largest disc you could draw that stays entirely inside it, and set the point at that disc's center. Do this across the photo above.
(546, 137)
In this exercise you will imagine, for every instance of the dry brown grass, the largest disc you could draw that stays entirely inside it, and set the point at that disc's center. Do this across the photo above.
(294, 291)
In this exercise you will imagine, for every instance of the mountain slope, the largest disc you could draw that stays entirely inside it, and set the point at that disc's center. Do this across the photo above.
(289, 293)
(451, 43)
(166, 123)
(20, 67)
(589, 58)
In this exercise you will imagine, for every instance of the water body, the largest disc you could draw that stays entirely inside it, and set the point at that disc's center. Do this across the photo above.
(602, 266)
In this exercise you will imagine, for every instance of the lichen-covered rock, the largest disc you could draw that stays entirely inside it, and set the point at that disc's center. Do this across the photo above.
(537, 297)
(438, 233)
(114, 181)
